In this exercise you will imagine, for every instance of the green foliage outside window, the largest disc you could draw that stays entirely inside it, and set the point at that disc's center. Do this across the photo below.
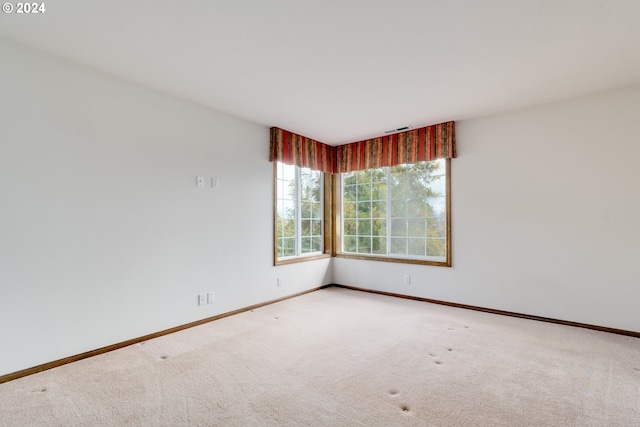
(396, 211)
(299, 211)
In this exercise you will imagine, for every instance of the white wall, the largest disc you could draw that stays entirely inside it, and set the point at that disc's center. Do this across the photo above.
(103, 235)
(546, 216)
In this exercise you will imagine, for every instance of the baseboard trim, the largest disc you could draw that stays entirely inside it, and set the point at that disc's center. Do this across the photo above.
(54, 364)
(50, 365)
(494, 311)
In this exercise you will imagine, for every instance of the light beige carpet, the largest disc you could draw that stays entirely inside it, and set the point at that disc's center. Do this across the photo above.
(338, 357)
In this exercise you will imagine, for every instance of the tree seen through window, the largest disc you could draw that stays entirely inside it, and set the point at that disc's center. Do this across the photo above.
(398, 211)
(299, 211)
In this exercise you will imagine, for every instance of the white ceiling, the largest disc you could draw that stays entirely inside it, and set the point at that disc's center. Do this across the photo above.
(344, 70)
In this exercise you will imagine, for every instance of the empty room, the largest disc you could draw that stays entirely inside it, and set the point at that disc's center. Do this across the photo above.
(326, 213)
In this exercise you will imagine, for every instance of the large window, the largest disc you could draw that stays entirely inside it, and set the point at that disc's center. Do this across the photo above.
(398, 213)
(299, 213)
(354, 207)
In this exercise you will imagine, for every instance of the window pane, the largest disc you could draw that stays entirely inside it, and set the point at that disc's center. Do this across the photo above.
(364, 192)
(305, 228)
(364, 209)
(350, 192)
(288, 172)
(306, 245)
(398, 246)
(289, 248)
(305, 210)
(396, 185)
(317, 244)
(436, 227)
(379, 192)
(282, 185)
(364, 245)
(437, 206)
(379, 209)
(379, 175)
(288, 209)
(437, 186)
(436, 247)
(417, 247)
(398, 227)
(379, 227)
(349, 178)
(398, 208)
(350, 244)
(349, 227)
(349, 210)
(416, 227)
(364, 227)
(379, 245)
(309, 184)
(316, 227)
(398, 182)
(315, 210)
(288, 228)
(362, 176)
(416, 207)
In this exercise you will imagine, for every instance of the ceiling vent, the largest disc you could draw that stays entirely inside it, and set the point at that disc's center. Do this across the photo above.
(400, 129)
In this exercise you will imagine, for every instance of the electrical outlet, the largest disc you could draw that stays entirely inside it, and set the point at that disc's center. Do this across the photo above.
(211, 297)
(202, 299)
(279, 282)
(407, 279)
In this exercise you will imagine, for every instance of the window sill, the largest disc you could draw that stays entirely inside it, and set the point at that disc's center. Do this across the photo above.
(384, 258)
(301, 259)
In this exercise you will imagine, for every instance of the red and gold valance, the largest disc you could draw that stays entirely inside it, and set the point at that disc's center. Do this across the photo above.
(292, 149)
(412, 146)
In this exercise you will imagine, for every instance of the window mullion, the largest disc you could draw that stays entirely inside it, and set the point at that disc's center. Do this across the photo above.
(371, 184)
(298, 212)
(405, 184)
(321, 207)
(357, 211)
(388, 174)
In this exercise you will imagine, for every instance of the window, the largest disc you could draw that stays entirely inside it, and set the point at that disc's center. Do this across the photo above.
(398, 213)
(299, 213)
(356, 208)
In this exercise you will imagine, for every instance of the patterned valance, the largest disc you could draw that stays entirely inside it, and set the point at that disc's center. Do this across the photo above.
(412, 146)
(292, 149)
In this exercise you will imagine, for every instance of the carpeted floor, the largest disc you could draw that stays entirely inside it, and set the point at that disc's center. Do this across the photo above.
(339, 357)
